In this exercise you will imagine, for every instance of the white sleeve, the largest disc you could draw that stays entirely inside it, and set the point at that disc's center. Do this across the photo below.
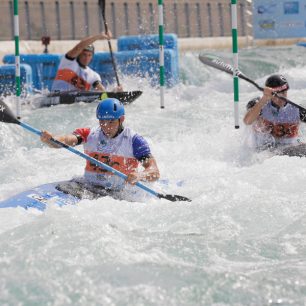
(67, 63)
(96, 77)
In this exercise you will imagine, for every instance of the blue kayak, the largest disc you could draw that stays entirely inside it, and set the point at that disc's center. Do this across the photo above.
(58, 193)
(67, 193)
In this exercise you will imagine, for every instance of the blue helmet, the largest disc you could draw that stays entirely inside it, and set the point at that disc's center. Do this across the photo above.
(110, 109)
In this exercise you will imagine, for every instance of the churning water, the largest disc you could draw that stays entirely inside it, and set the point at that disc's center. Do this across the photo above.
(241, 241)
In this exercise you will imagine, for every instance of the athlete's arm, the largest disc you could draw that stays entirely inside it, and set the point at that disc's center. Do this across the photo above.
(76, 51)
(254, 112)
(149, 174)
(98, 86)
(70, 139)
(142, 153)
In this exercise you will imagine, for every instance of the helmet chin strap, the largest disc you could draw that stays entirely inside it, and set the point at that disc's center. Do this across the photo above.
(120, 128)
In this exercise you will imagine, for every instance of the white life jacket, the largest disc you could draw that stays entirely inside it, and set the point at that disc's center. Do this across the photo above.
(277, 126)
(116, 152)
(71, 76)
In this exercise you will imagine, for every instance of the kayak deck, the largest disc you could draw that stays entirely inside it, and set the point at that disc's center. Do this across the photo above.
(58, 193)
(55, 98)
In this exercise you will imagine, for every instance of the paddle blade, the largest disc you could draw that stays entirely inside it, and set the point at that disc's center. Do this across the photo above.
(125, 97)
(6, 115)
(173, 197)
(214, 62)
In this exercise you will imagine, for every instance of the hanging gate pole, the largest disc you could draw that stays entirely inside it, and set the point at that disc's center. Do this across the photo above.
(161, 54)
(17, 59)
(235, 61)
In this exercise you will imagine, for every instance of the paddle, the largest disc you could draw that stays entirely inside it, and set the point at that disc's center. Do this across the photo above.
(102, 8)
(218, 64)
(7, 116)
(70, 97)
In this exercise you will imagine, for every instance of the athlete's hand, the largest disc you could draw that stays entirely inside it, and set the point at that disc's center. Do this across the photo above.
(268, 93)
(118, 89)
(107, 35)
(146, 176)
(46, 137)
(133, 178)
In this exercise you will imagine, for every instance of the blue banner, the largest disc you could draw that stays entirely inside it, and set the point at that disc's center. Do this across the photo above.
(279, 18)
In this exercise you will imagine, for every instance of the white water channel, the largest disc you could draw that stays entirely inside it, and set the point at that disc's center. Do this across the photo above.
(241, 241)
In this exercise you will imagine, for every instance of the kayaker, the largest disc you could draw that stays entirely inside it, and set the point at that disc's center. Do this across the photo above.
(73, 71)
(275, 122)
(112, 144)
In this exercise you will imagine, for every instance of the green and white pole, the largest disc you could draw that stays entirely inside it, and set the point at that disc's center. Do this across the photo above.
(161, 53)
(17, 59)
(235, 61)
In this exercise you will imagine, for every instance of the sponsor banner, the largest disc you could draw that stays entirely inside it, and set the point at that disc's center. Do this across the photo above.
(279, 18)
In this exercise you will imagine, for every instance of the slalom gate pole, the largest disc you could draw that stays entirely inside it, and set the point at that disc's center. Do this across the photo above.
(161, 53)
(17, 59)
(235, 61)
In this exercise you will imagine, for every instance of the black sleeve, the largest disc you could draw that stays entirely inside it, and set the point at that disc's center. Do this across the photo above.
(303, 115)
(79, 137)
(95, 84)
(69, 58)
(143, 158)
(252, 103)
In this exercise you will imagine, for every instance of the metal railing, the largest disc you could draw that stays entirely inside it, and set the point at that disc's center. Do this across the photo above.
(66, 19)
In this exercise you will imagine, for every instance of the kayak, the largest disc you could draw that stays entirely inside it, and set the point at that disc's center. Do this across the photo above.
(70, 193)
(55, 194)
(7, 116)
(297, 151)
(70, 97)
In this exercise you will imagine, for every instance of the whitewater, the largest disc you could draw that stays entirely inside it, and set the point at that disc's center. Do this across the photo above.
(241, 241)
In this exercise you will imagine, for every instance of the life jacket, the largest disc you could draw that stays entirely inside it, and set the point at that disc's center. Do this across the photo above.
(282, 124)
(71, 76)
(116, 152)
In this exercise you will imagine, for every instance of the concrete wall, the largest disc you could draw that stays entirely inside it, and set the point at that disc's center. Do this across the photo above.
(74, 19)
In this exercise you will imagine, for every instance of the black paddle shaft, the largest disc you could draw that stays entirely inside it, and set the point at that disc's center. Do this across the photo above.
(102, 8)
(218, 64)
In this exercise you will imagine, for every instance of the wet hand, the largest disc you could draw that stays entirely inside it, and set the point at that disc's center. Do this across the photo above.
(118, 88)
(133, 178)
(268, 93)
(46, 137)
(107, 35)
